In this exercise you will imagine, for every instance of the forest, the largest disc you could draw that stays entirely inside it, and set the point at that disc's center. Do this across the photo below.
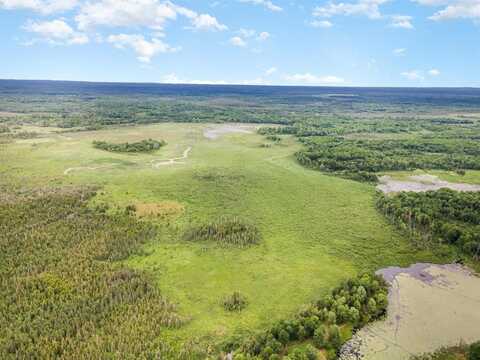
(437, 218)
(143, 146)
(63, 293)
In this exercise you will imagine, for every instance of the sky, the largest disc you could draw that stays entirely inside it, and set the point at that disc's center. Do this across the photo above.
(252, 42)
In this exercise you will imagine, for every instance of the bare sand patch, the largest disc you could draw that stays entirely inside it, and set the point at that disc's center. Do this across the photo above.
(430, 306)
(421, 183)
(219, 131)
(162, 209)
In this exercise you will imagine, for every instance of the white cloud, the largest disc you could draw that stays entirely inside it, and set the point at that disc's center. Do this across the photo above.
(454, 9)
(321, 24)
(402, 21)
(266, 3)
(207, 22)
(310, 79)
(399, 52)
(461, 9)
(41, 6)
(369, 8)
(238, 41)
(271, 71)
(174, 79)
(263, 36)
(144, 49)
(413, 75)
(56, 32)
(434, 72)
(147, 13)
(246, 33)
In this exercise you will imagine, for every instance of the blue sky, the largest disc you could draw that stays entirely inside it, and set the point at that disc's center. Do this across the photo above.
(278, 42)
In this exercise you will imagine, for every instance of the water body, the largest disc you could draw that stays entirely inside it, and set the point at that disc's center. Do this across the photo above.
(430, 306)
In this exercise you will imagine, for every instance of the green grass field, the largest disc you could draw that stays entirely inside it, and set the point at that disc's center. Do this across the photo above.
(317, 229)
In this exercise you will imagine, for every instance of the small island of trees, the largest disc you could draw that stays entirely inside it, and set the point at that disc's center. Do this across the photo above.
(143, 146)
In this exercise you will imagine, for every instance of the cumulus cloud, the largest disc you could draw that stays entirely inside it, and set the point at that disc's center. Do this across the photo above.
(265, 3)
(147, 13)
(271, 71)
(321, 24)
(369, 8)
(144, 49)
(434, 72)
(263, 36)
(310, 79)
(41, 6)
(401, 21)
(238, 41)
(56, 32)
(412, 75)
(399, 52)
(453, 9)
(244, 34)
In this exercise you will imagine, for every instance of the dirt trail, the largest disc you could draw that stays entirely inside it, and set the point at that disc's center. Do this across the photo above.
(69, 170)
(430, 306)
(157, 163)
(421, 183)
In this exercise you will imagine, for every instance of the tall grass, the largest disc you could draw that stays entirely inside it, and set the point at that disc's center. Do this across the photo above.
(226, 231)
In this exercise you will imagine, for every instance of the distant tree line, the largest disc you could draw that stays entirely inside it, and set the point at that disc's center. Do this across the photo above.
(437, 217)
(362, 159)
(143, 146)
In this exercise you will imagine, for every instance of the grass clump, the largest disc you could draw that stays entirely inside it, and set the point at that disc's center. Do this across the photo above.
(235, 302)
(143, 146)
(227, 232)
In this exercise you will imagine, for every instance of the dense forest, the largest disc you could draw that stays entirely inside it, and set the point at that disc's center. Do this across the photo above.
(328, 323)
(364, 158)
(143, 146)
(435, 218)
(63, 293)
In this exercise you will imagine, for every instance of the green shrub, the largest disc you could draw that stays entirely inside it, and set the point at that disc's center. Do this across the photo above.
(226, 231)
(235, 302)
(474, 351)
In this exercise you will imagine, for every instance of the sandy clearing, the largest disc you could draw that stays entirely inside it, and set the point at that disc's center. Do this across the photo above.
(157, 163)
(420, 183)
(217, 132)
(430, 306)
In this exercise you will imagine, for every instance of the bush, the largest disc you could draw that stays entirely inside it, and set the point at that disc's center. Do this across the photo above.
(226, 231)
(235, 302)
(474, 351)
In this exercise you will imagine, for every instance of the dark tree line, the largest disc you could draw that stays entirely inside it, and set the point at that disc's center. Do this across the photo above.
(362, 159)
(437, 217)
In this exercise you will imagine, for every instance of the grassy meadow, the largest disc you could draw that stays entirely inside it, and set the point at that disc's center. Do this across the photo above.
(316, 229)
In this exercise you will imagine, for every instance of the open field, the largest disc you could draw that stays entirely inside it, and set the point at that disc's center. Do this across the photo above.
(317, 229)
